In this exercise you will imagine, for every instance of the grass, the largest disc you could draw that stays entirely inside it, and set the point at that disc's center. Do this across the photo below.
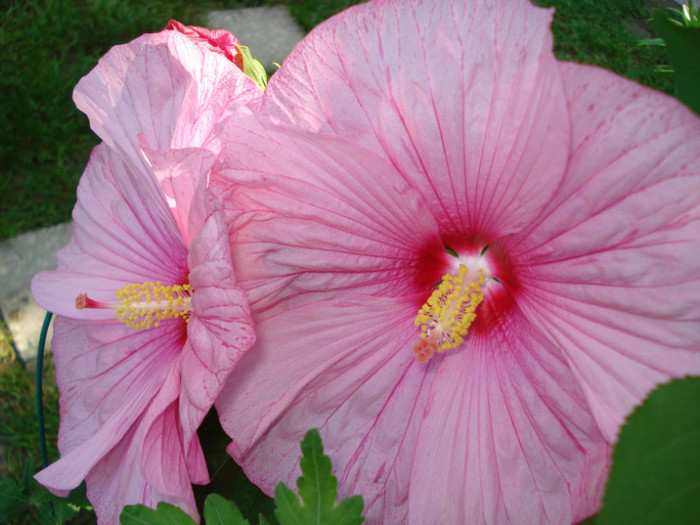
(49, 44)
(603, 34)
(18, 424)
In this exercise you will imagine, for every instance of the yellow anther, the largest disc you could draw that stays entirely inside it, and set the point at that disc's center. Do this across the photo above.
(145, 305)
(445, 317)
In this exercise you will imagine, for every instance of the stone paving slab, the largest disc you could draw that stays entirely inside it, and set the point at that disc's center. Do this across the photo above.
(20, 259)
(270, 32)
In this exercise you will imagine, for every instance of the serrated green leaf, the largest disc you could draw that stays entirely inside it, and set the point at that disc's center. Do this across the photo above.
(164, 514)
(318, 488)
(13, 500)
(288, 510)
(655, 474)
(683, 44)
(220, 511)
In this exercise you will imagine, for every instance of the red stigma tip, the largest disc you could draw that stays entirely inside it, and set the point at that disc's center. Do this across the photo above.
(424, 350)
(81, 301)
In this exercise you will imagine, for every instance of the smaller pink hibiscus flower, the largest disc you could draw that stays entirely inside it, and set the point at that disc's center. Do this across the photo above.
(150, 318)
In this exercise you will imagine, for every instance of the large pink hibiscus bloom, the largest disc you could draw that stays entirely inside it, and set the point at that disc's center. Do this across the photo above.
(150, 318)
(463, 151)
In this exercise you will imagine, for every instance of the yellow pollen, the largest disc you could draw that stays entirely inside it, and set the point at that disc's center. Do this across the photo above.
(445, 318)
(145, 305)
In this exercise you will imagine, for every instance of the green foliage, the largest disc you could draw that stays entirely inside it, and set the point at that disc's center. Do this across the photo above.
(310, 13)
(318, 490)
(28, 502)
(16, 497)
(220, 511)
(655, 475)
(606, 34)
(682, 39)
(18, 420)
(217, 511)
(163, 514)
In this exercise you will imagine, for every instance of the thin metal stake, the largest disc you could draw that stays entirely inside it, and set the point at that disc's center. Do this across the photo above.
(39, 391)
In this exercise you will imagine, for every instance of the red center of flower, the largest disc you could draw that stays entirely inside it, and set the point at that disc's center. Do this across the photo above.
(472, 297)
(145, 305)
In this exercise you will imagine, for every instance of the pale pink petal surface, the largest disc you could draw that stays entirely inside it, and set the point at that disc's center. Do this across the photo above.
(492, 432)
(611, 268)
(380, 226)
(124, 233)
(443, 90)
(507, 436)
(107, 375)
(165, 87)
(351, 379)
(118, 478)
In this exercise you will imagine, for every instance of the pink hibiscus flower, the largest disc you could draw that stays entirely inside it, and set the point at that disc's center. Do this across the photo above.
(150, 318)
(469, 286)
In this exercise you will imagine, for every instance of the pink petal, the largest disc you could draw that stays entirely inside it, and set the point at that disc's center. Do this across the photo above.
(506, 437)
(118, 481)
(218, 334)
(464, 98)
(180, 172)
(107, 374)
(331, 365)
(343, 220)
(610, 270)
(222, 329)
(123, 233)
(164, 86)
(171, 460)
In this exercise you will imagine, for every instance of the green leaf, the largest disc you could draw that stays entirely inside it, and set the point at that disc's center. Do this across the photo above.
(318, 489)
(655, 474)
(165, 514)
(36, 504)
(13, 500)
(253, 68)
(683, 45)
(220, 511)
